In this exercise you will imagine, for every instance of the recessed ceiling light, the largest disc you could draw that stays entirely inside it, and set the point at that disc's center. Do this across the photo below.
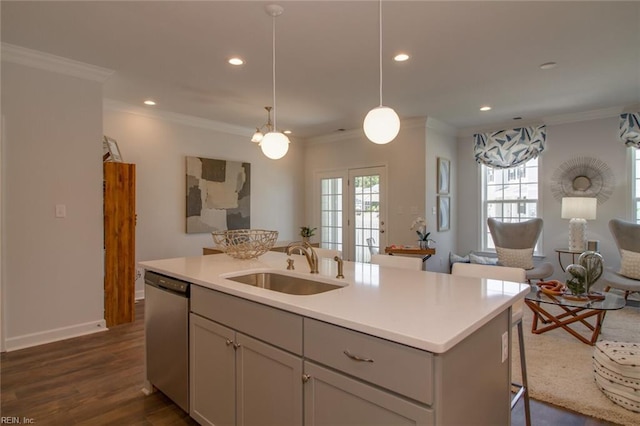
(287, 132)
(548, 65)
(517, 118)
(401, 57)
(485, 108)
(149, 102)
(236, 61)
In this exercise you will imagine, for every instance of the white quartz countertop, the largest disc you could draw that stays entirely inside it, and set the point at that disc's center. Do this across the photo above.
(425, 310)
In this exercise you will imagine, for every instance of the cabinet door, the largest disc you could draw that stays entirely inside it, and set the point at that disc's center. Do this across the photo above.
(212, 372)
(269, 384)
(332, 398)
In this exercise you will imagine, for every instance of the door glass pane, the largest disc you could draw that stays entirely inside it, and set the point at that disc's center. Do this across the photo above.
(367, 214)
(331, 213)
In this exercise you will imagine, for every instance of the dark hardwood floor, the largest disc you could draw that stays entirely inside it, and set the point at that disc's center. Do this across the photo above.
(97, 380)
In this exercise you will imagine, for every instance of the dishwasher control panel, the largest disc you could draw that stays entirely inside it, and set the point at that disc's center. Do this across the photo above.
(168, 283)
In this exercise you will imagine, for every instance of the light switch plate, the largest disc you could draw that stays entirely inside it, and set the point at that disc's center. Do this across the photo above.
(61, 211)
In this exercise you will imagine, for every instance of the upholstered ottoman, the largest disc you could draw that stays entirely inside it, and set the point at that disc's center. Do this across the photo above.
(616, 366)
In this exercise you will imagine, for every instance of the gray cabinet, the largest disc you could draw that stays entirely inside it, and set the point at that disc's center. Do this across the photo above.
(249, 366)
(332, 398)
(268, 384)
(237, 379)
(212, 372)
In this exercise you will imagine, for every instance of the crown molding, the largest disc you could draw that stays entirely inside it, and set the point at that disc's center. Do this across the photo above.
(188, 120)
(358, 134)
(48, 62)
(441, 126)
(548, 120)
(583, 116)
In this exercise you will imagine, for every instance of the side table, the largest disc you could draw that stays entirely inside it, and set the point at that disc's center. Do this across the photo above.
(573, 254)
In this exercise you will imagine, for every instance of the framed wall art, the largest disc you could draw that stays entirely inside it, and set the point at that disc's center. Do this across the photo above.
(444, 174)
(218, 195)
(444, 212)
(110, 150)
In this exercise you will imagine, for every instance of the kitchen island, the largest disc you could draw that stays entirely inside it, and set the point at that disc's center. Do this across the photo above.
(389, 346)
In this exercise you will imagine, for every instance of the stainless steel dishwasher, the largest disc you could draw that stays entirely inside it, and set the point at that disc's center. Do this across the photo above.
(166, 322)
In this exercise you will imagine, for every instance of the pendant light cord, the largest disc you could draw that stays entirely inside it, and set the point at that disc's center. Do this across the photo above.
(380, 44)
(274, 73)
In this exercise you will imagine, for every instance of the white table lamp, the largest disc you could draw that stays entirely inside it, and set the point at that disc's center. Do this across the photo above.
(579, 210)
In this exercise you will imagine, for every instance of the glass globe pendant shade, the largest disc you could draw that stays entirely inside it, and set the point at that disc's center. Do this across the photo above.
(257, 136)
(275, 145)
(381, 125)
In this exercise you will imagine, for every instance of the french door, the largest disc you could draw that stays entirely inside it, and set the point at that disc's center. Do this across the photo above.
(352, 211)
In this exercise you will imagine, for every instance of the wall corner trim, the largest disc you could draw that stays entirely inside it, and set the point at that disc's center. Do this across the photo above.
(48, 336)
(187, 120)
(440, 126)
(48, 62)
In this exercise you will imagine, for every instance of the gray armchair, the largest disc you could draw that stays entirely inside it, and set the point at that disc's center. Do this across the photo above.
(521, 235)
(627, 237)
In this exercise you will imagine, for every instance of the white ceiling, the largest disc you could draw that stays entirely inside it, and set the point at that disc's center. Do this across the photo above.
(463, 55)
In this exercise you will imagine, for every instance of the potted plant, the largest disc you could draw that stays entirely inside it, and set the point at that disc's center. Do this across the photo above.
(420, 226)
(307, 232)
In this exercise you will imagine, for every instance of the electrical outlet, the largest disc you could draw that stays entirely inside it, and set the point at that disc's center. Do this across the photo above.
(505, 346)
(139, 273)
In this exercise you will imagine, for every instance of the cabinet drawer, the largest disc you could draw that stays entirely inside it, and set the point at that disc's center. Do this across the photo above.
(407, 371)
(279, 328)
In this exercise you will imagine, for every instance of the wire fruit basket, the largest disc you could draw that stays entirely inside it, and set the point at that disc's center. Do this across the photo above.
(245, 243)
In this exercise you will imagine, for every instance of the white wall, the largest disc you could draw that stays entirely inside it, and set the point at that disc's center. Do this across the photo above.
(440, 142)
(596, 138)
(404, 159)
(52, 268)
(158, 145)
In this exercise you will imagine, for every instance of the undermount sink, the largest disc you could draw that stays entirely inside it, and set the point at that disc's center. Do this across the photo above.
(284, 283)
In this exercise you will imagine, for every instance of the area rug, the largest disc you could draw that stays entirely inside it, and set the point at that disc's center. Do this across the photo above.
(559, 366)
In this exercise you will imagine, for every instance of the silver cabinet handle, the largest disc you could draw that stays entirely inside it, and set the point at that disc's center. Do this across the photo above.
(356, 357)
(236, 345)
(228, 342)
(305, 378)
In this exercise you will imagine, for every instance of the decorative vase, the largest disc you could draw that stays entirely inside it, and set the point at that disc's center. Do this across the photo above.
(577, 280)
(594, 265)
(423, 244)
(305, 239)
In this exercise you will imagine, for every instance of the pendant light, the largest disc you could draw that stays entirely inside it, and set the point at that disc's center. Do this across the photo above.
(258, 135)
(382, 124)
(274, 144)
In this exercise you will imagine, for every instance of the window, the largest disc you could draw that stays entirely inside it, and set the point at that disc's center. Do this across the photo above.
(635, 183)
(509, 195)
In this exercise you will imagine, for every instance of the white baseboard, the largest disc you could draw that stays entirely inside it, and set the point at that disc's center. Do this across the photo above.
(35, 339)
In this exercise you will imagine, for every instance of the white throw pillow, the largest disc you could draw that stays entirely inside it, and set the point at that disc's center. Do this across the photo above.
(515, 258)
(630, 264)
(482, 260)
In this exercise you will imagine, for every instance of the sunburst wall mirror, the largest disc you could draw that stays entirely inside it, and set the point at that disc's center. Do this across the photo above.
(583, 177)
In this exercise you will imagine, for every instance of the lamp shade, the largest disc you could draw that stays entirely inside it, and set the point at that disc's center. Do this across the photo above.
(579, 207)
(381, 125)
(257, 136)
(274, 145)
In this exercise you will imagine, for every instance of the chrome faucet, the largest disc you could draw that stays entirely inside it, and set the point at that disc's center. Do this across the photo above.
(309, 253)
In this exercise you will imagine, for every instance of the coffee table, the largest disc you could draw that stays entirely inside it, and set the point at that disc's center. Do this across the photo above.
(574, 311)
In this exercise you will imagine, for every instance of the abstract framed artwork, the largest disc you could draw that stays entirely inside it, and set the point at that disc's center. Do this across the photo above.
(218, 195)
(444, 212)
(444, 172)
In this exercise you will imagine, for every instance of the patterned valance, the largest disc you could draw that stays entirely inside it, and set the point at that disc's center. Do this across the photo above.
(630, 129)
(509, 148)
